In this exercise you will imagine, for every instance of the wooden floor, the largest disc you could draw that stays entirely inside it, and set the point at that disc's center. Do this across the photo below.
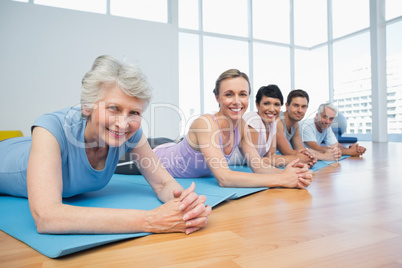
(351, 216)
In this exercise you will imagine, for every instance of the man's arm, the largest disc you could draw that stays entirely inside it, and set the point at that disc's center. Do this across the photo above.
(315, 146)
(330, 152)
(281, 141)
(288, 154)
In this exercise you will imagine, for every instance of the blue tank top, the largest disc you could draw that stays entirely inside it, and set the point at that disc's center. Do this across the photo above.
(68, 127)
(182, 161)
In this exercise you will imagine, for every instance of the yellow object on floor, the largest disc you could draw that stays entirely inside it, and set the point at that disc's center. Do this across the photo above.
(6, 134)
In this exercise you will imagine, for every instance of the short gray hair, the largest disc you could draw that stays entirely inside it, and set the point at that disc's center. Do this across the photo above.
(107, 70)
(327, 105)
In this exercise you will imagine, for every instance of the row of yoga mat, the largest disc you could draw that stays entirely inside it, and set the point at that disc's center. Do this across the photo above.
(123, 191)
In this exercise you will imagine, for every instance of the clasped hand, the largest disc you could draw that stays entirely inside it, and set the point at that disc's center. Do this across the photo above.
(359, 150)
(307, 157)
(186, 212)
(298, 175)
(335, 151)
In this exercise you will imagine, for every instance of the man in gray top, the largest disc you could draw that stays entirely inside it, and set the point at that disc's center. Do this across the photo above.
(288, 138)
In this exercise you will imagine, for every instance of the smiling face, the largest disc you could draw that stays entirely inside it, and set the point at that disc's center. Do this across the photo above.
(114, 119)
(297, 108)
(268, 109)
(233, 97)
(325, 119)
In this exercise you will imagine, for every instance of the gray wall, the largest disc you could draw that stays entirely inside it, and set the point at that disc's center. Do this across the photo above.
(45, 52)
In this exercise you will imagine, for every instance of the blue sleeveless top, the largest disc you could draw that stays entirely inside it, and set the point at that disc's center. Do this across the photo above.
(68, 127)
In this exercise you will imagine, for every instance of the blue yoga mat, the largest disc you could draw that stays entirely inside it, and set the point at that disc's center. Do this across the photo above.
(322, 164)
(123, 191)
(207, 185)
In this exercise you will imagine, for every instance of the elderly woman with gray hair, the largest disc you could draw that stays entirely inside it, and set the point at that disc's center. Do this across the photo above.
(76, 150)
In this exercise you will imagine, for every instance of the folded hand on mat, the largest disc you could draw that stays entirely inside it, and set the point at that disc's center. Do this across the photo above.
(186, 212)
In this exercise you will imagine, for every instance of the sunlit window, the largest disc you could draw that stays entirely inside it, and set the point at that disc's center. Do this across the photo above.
(188, 14)
(393, 9)
(394, 78)
(271, 20)
(96, 6)
(271, 66)
(220, 55)
(311, 75)
(350, 16)
(310, 22)
(352, 74)
(153, 10)
(226, 17)
(189, 78)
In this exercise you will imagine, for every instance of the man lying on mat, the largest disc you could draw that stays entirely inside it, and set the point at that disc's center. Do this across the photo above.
(76, 150)
(316, 131)
(288, 136)
(212, 138)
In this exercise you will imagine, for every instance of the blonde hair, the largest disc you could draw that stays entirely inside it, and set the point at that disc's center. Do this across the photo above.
(231, 73)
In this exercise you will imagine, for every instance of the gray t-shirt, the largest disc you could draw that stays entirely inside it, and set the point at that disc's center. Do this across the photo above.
(309, 132)
(288, 135)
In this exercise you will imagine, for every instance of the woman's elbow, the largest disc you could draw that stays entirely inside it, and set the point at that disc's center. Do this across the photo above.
(43, 221)
(223, 180)
(40, 223)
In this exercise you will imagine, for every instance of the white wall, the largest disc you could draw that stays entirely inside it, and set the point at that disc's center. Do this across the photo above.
(45, 52)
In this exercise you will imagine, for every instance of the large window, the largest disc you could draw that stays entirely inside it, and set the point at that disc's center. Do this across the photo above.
(271, 20)
(310, 24)
(189, 79)
(394, 79)
(293, 44)
(311, 75)
(226, 17)
(221, 54)
(352, 82)
(349, 16)
(393, 9)
(271, 66)
(188, 14)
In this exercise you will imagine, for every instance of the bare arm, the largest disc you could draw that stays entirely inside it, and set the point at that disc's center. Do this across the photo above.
(290, 154)
(157, 176)
(166, 187)
(281, 141)
(45, 186)
(315, 146)
(294, 176)
(329, 153)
